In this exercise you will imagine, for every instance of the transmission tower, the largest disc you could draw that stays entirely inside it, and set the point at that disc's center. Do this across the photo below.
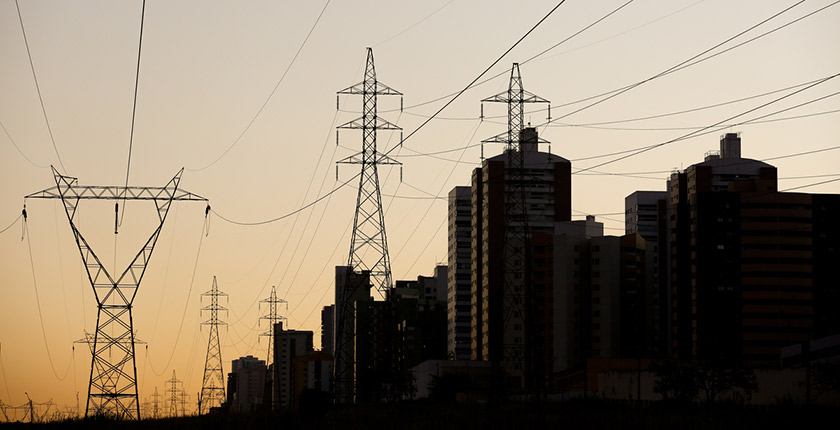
(273, 317)
(213, 385)
(518, 347)
(183, 398)
(113, 373)
(173, 391)
(156, 404)
(368, 243)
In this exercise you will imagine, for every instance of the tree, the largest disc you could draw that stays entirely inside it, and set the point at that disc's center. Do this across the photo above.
(675, 380)
(716, 378)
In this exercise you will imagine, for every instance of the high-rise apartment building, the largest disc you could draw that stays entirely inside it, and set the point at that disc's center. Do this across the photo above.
(749, 264)
(247, 384)
(547, 192)
(458, 283)
(289, 345)
(645, 213)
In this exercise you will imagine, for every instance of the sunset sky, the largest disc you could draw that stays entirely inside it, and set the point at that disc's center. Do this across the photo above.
(205, 103)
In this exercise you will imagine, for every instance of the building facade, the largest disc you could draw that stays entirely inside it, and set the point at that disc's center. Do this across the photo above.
(289, 346)
(458, 283)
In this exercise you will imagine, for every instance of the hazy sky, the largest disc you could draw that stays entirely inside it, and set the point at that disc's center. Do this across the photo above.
(207, 68)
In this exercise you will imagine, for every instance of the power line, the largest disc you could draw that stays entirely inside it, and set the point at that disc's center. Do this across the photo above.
(134, 107)
(480, 75)
(38, 87)
(813, 184)
(414, 25)
(473, 84)
(184, 313)
(307, 206)
(40, 315)
(698, 132)
(13, 223)
(270, 95)
(699, 127)
(696, 109)
(688, 62)
(18, 148)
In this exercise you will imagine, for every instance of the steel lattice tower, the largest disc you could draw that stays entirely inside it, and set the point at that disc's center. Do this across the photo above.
(273, 317)
(113, 373)
(155, 404)
(213, 385)
(368, 243)
(517, 301)
(173, 392)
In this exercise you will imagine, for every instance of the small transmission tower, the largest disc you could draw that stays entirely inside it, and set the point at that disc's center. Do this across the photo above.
(113, 373)
(273, 317)
(369, 244)
(174, 393)
(517, 346)
(156, 404)
(213, 386)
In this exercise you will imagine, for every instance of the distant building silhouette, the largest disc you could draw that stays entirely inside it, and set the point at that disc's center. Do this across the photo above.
(246, 384)
(328, 329)
(646, 213)
(753, 269)
(289, 346)
(458, 283)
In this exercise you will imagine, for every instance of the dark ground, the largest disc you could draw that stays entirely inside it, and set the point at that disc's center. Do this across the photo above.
(581, 414)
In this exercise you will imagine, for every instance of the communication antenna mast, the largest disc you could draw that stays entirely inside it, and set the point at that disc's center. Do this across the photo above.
(213, 386)
(517, 346)
(273, 317)
(113, 373)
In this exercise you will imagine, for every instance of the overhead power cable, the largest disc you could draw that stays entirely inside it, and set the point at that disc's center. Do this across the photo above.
(40, 314)
(270, 95)
(184, 313)
(684, 111)
(812, 185)
(18, 148)
(474, 84)
(13, 223)
(479, 76)
(38, 87)
(691, 61)
(134, 106)
(706, 130)
(307, 206)
(414, 25)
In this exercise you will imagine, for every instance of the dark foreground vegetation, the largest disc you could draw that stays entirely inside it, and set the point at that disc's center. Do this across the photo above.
(575, 414)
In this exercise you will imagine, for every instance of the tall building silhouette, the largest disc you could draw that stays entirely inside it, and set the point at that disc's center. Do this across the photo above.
(547, 192)
(459, 252)
(753, 269)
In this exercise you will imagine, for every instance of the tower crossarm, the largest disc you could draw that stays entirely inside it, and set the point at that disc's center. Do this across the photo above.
(357, 158)
(503, 138)
(381, 89)
(523, 96)
(360, 123)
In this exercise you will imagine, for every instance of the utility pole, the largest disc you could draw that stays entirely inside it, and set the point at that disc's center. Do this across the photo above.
(273, 317)
(112, 389)
(518, 346)
(368, 243)
(213, 386)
